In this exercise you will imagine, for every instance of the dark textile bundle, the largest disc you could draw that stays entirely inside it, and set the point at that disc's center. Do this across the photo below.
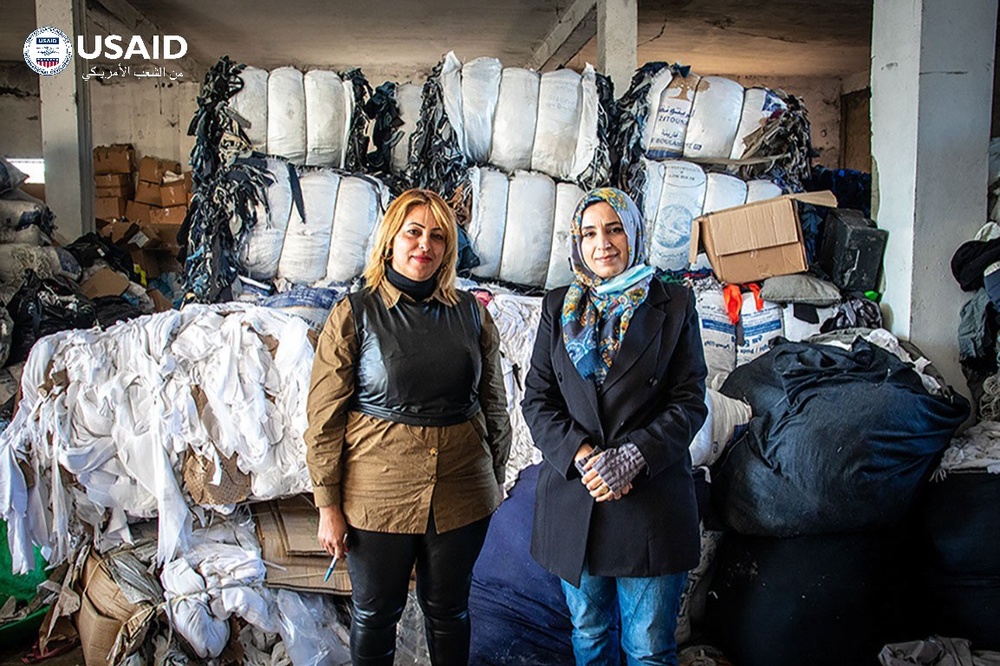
(631, 116)
(383, 110)
(781, 150)
(217, 132)
(853, 189)
(841, 440)
(222, 210)
(436, 159)
(357, 142)
(42, 307)
(91, 248)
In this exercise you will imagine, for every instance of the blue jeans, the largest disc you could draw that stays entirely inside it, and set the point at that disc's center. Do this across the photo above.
(648, 610)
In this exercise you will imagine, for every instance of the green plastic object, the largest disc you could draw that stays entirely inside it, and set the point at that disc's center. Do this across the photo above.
(20, 586)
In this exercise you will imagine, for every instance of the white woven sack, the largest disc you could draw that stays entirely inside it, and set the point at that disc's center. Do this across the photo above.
(560, 274)
(264, 241)
(718, 336)
(527, 241)
(715, 116)
(409, 97)
(682, 187)
(759, 328)
(489, 219)
(669, 101)
(328, 118)
(307, 242)
(724, 191)
(357, 215)
(759, 190)
(451, 91)
(480, 91)
(515, 119)
(558, 126)
(251, 104)
(286, 114)
(758, 105)
(587, 140)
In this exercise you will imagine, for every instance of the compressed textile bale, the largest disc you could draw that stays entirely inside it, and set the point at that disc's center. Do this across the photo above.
(715, 117)
(560, 274)
(515, 119)
(409, 97)
(723, 192)
(251, 104)
(264, 241)
(354, 221)
(328, 118)
(587, 140)
(557, 129)
(286, 114)
(480, 91)
(718, 336)
(451, 91)
(307, 242)
(527, 240)
(760, 327)
(682, 188)
(489, 219)
(759, 104)
(669, 100)
(759, 190)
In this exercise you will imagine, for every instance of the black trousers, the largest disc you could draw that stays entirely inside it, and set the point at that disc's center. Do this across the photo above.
(380, 564)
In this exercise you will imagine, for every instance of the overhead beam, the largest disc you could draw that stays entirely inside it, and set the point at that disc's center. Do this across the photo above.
(119, 17)
(576, 27)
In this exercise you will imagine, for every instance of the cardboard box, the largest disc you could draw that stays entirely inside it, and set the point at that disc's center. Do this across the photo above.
(160, 302)
(109, 208)
(152, 169)
(174, 215)
(174, 194)
(36, 190)
(137, 212)
(852, 250)
(112, 179)
(148, 193)
(758, 240)
(189, 180)
(104, 282)
(287, 532)
(97, 632)
(121, 191)
(147, 264)
(116, 158)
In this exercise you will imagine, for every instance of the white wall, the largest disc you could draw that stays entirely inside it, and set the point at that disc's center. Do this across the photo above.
(20, 127)
(150, 114)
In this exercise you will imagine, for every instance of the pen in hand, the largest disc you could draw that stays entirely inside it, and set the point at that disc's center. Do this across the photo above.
(329, 571)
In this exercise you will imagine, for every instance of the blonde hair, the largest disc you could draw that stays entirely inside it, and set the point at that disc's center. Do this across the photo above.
(393, 221)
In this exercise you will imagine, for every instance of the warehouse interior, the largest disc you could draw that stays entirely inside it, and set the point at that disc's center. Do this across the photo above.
(902, 92)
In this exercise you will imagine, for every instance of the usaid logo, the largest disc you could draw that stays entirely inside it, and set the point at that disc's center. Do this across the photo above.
(48, 51)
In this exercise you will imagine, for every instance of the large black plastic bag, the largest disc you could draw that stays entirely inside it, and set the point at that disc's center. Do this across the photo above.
(42, 307)
(841, 440)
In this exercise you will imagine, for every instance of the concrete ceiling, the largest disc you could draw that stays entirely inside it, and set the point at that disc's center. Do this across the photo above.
(402, 40)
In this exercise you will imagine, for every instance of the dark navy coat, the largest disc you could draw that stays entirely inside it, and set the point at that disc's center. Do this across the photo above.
(654, 397)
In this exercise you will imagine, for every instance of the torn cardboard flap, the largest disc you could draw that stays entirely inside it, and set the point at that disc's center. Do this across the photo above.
(104, 282)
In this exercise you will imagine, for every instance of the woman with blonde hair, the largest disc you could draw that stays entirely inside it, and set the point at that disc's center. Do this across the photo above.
(408, 433)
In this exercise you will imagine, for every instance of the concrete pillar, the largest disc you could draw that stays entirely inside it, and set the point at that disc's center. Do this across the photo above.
(617, 30)
(931, 80)
(65, 116)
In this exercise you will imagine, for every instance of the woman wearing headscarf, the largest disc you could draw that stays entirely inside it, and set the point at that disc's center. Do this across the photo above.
(408, 434)
(614, 396)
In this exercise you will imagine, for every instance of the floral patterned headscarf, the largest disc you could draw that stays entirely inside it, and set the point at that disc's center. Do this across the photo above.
(596, 311)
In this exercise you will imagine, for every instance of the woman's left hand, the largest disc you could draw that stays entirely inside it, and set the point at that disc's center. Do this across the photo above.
(596, 486)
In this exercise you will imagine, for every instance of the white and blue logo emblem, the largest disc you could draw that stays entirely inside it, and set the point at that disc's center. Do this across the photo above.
(48, 50)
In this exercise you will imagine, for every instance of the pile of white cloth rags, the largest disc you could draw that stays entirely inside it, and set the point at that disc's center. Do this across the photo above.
(107, 418)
